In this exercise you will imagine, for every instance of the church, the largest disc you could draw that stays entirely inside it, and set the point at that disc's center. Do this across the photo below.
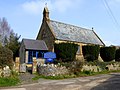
(57, 32)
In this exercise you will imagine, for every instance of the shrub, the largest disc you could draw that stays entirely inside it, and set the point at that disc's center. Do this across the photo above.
(66, 51)
(117, 55)
(91, 52)
(107, 53)
(6, 57)
(74, 67)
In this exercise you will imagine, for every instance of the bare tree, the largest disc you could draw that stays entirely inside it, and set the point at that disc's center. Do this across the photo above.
(5, 31)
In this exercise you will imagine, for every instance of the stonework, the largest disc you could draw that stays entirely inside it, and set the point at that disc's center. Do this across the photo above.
(52, 70)
(91, 68)
(34, 65)
(6, 72)
(113, 67)
(17, 64)
(23, 67)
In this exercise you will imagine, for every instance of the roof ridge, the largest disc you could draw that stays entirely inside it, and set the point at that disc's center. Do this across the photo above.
(32, 39)
(71, 25)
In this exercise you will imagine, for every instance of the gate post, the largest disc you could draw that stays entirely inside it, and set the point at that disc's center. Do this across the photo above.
(34, 65)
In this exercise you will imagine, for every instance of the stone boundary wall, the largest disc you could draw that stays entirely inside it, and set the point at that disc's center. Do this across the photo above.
(5, 72)
(109, 67)
(52, 70)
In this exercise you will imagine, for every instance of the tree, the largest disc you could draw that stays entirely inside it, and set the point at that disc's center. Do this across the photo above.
(14, 44)
(8, 38)
(5, 31)
(6, 57)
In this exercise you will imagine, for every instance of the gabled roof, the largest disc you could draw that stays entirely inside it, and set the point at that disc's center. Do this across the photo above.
(34, 44)
(69, 32)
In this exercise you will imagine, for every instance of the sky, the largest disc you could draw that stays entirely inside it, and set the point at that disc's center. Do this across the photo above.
(25, 16)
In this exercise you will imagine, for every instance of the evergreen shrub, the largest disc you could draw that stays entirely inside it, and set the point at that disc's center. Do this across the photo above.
(90, 52)
(6, 57)
(117, 55)
(66, 51)
(107, 53)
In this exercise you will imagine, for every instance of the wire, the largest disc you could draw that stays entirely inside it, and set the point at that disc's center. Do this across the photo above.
(111, 13)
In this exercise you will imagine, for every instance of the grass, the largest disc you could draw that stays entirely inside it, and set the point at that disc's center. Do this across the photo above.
(81, 74)
(13, 80)
(53, 77)
(8, 81)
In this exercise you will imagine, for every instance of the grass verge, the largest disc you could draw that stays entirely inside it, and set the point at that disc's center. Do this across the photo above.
(8, 81)
(81, 74)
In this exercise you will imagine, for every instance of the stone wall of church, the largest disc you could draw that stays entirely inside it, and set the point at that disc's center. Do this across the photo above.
(46, 35)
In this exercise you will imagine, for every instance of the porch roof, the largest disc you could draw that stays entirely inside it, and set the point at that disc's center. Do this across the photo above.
(34, 44)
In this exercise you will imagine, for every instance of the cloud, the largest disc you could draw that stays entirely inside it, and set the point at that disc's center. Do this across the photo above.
(35, 6)
(64, 5)
(32, 7)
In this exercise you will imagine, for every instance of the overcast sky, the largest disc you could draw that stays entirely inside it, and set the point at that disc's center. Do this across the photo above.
(25, 16)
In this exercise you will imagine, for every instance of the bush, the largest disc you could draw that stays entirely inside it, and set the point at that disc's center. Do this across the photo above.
(66, 51)
(6, 57)
(107, 53)
(117, 55)
(74, 67)
(91, 52)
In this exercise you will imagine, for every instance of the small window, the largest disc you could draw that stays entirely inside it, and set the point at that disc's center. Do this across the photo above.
(78, 51)
(34, 53)
(30, 55)
(39, 55)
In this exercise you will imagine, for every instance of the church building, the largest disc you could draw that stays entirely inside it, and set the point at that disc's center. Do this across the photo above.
(57, 32)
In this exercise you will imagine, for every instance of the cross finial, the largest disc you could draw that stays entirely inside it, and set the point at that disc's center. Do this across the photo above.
(92, 28)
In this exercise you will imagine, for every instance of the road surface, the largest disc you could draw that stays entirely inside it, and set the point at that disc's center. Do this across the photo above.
(98, 82)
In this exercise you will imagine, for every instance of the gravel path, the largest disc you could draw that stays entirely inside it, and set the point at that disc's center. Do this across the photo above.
(26, 78)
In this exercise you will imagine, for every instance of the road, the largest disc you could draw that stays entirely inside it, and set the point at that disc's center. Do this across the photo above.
(98, 82)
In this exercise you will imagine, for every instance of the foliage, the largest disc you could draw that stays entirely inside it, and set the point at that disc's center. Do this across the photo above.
(107, 53)
(5, 31)
(117, 55)
(74, 67)
(54, 77)
(6, 57)
(8, 38)
(8, 81)
(90, 52)
(66, 51)
(81, 74)
(14, 44)
(102, 65)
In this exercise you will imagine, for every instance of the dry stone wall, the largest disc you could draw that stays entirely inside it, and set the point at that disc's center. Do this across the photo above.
(52, 70)
(5, 72)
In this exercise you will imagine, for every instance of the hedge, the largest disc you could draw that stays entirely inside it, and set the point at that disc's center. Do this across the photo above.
(90, 52)
(66, 51)
(117, 55)
(107, 53)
